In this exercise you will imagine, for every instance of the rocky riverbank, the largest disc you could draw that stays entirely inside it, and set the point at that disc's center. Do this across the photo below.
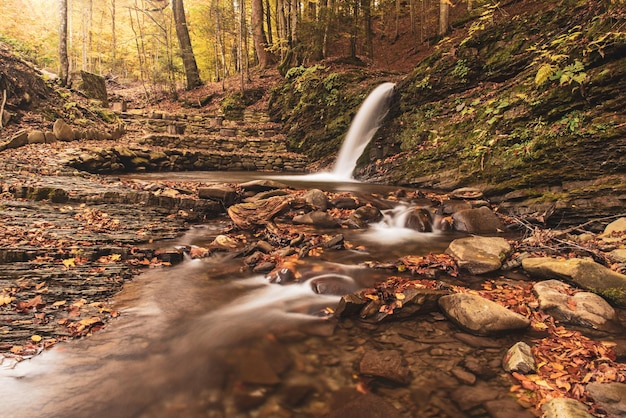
(72, 239)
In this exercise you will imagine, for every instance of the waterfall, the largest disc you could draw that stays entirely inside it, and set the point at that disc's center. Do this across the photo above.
(365, 124)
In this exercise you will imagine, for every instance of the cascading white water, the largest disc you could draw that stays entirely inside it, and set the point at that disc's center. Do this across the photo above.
(365, 124)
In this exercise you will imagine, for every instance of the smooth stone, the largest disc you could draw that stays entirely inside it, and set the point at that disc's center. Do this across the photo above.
(18, 140)
(62, 131)
(582, 272)
(583, 308)
(565, 408)
(221, 193)
(365, 215)
(36, 137)
(519, 358)
(480, 316)
(316, 199)
(618, 225)
(477, 221)
(479, 255)
(387, 364)
(612, 397)
(420, 220)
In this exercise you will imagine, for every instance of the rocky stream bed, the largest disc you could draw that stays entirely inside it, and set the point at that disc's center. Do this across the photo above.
(508, 319)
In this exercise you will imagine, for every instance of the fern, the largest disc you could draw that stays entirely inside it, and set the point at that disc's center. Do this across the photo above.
(544, 73)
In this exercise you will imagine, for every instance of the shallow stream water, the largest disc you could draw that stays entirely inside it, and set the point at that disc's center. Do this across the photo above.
(204, 339)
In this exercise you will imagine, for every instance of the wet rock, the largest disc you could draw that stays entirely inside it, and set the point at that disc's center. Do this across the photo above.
(296, 391)
(449, 207)
(611, 396)
(464, 376)
(416, 301)
(333, 284)
(264, 267)
(36, 137)
(367, 405)
(565, 408)
(62, 131)
(468, 193)
(506, 408)
(479, 315)
(519, 359)
(477, 221)
(351, 305)
(469, 397)
(262, 185)
(282, 276)
(264, 246)
(420, 220)
(344, 202)
(249, 215)
(583, 308)
(335, 243)
(479, 255)
(255, 368)
(316, 199)
(386, 364)
(365, 215)
(477, 341)
(619, 255)
(582, 272)
(224, 242)
(317, 219)
(246, 398)
(221, 193)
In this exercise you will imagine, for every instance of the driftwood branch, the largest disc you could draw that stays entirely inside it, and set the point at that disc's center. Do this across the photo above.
(4, 102)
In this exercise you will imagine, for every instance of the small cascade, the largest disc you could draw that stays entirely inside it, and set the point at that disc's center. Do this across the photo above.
(401, 224)
(362, 129)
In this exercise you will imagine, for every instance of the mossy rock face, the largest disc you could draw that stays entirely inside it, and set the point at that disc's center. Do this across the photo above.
(47, 193)
(497, 124)
(317, 105)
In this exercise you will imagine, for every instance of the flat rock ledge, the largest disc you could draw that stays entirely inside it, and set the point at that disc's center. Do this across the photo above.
(584, 273)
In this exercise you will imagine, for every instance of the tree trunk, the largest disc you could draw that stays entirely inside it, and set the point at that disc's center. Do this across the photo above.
(64, 61)
(444, 14)
(182, 33)
(367, 27)
(113, 38)
(266, 58)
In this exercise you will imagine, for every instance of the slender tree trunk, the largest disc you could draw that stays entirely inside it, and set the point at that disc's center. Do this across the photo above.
(266, 58)
(182, 33)
(397, 34)
(355, 29)
(64, 62)
(240, 52)
(113, 36)
(444, 14)
(268, 22)
(367, 27)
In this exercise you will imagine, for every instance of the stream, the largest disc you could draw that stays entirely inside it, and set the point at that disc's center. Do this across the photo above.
(208, 339)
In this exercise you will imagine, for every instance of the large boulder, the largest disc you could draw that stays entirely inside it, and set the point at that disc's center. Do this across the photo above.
(251, 214)
(95, 87)
(62, 131)
(316, 199)
(583, 308)
(612, 397)
(480, 316)
(584, 273)
(618, 225)
(479, 255)
(477, 221)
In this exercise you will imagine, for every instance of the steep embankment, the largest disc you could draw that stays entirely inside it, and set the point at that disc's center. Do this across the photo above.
(525, 100)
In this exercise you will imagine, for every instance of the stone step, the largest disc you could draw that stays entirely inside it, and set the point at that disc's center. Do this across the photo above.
(224, 142)
(207, 127)
(131, 159)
